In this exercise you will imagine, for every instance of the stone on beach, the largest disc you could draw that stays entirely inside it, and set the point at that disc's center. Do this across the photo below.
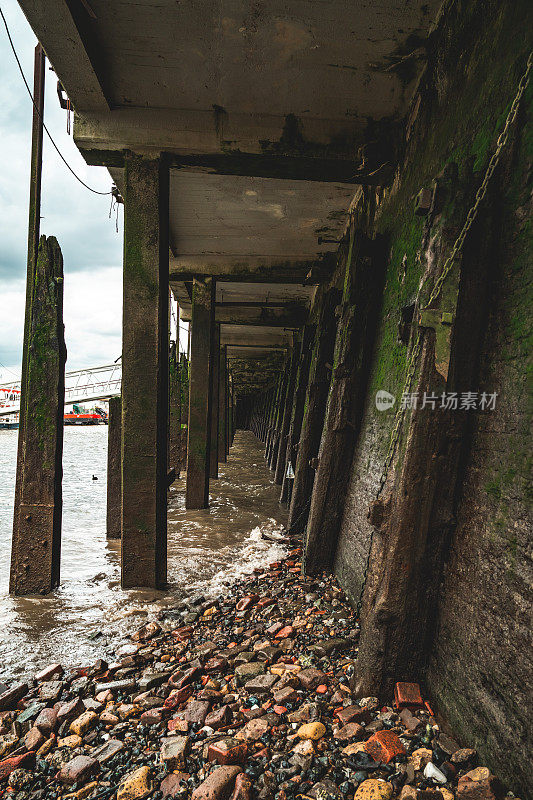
(230, 712)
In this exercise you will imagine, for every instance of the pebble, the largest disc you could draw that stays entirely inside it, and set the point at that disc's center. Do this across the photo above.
(136, 785)
(374, 790)
(247, 697)
(218, 785)
(312, 730)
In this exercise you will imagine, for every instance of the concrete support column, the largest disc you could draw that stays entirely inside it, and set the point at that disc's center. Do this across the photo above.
(114, 469)
(145, 373)
(174, 411)
(222, 401)
(200, 394)
(36, 550)
(215, 366)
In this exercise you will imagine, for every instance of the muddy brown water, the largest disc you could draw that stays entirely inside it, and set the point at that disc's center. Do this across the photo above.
(90, 614)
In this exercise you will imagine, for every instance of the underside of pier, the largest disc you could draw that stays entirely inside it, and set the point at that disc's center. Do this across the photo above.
(301, 177)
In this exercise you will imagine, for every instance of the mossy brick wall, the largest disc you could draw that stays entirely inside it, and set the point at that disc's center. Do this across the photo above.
(478, 671)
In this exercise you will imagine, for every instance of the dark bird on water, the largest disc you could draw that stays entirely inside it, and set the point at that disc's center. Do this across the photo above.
(95, 477)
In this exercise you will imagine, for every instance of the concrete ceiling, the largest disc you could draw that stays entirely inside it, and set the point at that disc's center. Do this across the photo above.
(261, 105)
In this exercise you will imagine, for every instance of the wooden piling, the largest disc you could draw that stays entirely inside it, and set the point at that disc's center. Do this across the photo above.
(347, 394)
(200, 394)
(145, 373)
(114, 469)
(286, 415)
(36, 550)
(315, 405)
(297, 412)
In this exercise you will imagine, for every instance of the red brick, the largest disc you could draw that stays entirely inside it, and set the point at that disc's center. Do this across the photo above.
(407, 695)
(218, 785)
(384, 746)
(228, 751)
(243, 788)
(179, 697)
(247, 602)
(9, 764)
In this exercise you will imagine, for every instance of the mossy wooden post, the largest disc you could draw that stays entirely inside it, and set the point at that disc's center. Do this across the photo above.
(222, 400)
(279, 471)
(174, 411)
(352, 359)
(114, 469)
(315, 404)
(297, 412)
(271, 418)
(145, 372)
(278, 417)
(215, 366)
(200, 394)
(36, 550)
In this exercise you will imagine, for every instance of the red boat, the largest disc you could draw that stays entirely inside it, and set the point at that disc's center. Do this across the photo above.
(82, 416)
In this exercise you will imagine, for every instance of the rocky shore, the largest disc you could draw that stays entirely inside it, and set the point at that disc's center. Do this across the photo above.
(244, 698)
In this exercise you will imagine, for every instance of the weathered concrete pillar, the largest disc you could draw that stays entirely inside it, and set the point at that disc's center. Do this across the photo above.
(36, 550)
(222, 400)
(184, 405)
(215, 366)
(174, 411)
(200, 394)
(315, 405)
(145, 373)
(297, 413)
(286, 415)
(114, 469)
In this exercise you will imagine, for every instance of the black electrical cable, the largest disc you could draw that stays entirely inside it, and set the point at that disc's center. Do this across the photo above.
(60, 154)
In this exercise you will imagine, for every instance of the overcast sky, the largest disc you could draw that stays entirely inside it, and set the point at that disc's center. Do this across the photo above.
(92, 250)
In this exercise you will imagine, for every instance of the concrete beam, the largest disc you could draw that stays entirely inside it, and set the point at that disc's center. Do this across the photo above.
(69, 46)
(145, 373)
(288, 316)
(194, 142)
(252, 269)
(250, 335)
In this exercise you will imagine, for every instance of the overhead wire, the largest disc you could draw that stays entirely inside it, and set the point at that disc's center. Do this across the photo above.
(60, 154)
(8, 370)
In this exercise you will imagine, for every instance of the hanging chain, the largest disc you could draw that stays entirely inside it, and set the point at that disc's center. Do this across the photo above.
(482, 191)
(456, 249)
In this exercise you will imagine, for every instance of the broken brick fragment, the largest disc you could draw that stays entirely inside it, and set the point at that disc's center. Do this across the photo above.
(384, 746)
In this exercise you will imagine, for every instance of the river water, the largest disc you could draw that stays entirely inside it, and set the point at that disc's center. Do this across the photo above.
(89, 613)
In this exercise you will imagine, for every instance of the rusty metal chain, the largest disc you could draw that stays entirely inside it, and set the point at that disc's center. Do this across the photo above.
(437, 288)
(482, 191)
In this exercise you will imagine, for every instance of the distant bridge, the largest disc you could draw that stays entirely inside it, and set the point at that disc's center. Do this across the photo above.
(81, 385)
